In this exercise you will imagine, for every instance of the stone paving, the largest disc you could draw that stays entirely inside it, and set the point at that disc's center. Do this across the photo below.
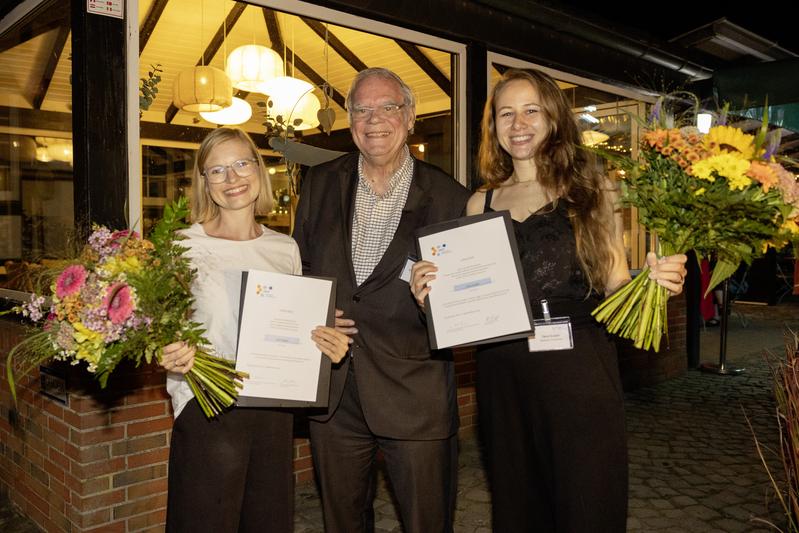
(693, 462)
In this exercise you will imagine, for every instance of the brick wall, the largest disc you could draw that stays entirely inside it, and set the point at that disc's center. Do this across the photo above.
(640, 368)
(99, 463)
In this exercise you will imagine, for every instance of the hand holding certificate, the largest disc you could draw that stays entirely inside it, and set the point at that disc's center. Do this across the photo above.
(277, 314)
(479, 294)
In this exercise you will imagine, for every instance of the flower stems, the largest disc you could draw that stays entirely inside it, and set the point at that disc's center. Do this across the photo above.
(214, 382)
(637, 312)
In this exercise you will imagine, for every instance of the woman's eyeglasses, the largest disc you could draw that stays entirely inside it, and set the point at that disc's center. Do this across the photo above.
(242, 168)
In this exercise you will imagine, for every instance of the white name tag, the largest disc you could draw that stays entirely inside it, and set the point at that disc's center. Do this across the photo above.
(555, 334)
(406, 271)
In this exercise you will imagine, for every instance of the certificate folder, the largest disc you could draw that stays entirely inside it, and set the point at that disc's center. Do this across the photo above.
(479, 294)
(253, 305)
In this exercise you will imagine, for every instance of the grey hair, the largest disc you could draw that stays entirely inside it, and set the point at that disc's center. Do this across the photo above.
(407, 94)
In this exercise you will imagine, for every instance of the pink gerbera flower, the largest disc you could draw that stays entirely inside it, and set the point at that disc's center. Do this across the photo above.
(119, 237)
(119, 303)
(70, 281)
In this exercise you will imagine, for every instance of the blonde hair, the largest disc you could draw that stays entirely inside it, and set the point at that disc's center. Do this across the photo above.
(566, 171)
(203, 207)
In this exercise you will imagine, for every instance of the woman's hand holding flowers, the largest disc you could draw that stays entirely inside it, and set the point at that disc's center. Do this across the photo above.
(669, 272)
(178, 357)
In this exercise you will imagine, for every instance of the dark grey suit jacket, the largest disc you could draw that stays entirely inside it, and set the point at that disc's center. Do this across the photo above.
(406, 391)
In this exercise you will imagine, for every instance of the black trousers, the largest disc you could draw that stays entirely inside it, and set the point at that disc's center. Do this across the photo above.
(232, 474)
(423, 473)
(553, 430)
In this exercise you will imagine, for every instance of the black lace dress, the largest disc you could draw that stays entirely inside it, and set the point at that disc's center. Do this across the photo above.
(553, 422)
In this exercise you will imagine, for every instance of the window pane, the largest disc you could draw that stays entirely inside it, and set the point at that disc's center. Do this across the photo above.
(327, 56)
(36, 185)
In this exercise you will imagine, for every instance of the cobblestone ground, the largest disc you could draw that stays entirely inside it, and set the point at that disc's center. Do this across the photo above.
(693, 463)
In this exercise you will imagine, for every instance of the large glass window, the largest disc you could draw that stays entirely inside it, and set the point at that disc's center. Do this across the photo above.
(323, 48)
(36, 187)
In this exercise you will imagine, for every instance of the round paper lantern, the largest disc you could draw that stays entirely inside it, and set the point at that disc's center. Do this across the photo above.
(202, 88)
(238, 113)
(252, 65)
(292, 99)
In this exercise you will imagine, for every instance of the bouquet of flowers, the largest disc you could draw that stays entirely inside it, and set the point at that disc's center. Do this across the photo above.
(722, 192)
(125, 297)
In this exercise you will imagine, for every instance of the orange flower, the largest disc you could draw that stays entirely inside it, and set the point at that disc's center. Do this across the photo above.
(762, 173)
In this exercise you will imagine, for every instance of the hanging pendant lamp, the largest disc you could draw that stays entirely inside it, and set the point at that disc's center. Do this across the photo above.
(238, 113)
(293, 98)
(202, 88)
(252, 65)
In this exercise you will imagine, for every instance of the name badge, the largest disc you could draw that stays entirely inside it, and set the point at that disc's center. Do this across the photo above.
(551, 334)
(405, 275)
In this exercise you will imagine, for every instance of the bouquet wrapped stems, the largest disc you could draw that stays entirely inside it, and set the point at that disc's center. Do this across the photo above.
(215, 382)
(637, 311)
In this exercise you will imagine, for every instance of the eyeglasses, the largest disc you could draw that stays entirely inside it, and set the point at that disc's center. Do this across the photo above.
(242, 168)
(359, 113)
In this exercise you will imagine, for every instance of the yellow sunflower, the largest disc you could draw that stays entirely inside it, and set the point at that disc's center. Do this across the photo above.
(721, 139)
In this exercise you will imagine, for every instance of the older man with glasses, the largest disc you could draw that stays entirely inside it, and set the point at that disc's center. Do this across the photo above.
(356, 221)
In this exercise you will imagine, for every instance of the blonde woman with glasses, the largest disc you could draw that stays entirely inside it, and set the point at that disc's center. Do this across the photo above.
(233, 473)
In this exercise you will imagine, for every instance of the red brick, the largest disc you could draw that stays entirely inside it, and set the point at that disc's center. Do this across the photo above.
(90, 518)
(147, 395)
(302, 464)
(58, 427)
(302, 450)
(54, 408)
(87, 420)
(154, 529)
(99, 468)
(148, 458)
(113, 527)
(96, 501)
(155, 425)
(145, 473)
(83, 438)
(88, 486)
(88, 454)
(138, 412)
(155, 518)
(55, 471)
(147, 488)
(130, 446)
(303, 477)
(128, 509)
(24, 490)
(79, 404)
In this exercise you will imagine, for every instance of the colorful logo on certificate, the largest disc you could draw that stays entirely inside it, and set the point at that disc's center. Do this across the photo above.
(264, 291)
(440, 249)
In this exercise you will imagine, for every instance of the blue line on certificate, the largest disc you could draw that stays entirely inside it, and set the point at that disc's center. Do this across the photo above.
(471, 284)
(281, 340)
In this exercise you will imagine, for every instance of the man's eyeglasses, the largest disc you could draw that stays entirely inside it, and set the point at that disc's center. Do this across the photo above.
(242, 168)
(359, 113)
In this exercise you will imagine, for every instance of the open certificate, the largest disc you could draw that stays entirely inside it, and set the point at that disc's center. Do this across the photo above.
(276, 316)
(479, 294)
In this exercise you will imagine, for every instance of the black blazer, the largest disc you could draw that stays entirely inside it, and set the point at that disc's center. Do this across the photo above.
(406, 391)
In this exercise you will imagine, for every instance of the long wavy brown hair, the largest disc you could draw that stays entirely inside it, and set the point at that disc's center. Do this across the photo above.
(566, 171)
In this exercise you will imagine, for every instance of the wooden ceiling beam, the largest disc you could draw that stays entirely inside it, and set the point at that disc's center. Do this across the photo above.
(41, 21)
(212, 48)
(279, 45)
(49, 68)
(336, 44)
(427, 66)
(150, 22)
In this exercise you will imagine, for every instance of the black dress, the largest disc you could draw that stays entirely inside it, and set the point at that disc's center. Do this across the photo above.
(553, 422)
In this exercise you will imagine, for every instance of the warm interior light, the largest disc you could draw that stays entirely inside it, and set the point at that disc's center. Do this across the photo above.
(253, 65)
(237, 113)
(421, 148)
(42, 155)
(202, 88)
(593, 137)
(703, 122)
(292, 99)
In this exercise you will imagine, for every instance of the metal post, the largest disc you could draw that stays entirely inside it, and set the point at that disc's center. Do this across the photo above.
(723, 368)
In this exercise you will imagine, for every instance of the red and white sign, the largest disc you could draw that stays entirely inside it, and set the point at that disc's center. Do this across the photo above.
(109, 8)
